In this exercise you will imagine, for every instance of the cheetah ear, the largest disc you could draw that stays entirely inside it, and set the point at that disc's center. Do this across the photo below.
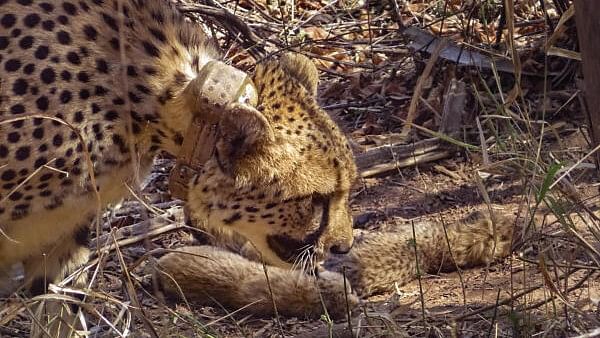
(302, 69)
(242, 129)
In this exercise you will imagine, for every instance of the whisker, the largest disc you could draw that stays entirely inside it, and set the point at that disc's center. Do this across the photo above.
(308, 257)
(296, 263)
(311, 263)
(298, 259)
(301, 257)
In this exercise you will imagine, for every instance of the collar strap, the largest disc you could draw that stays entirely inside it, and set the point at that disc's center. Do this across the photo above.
(217, 86)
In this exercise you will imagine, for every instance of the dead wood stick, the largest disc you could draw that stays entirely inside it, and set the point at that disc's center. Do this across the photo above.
(587, 28)
(132, 240)
(393, 156)
(389, 152)
(455, 100)
(137, 232)
(412, 109)
(406, 162)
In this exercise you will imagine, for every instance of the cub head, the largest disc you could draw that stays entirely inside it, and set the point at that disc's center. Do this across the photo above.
(281, 173)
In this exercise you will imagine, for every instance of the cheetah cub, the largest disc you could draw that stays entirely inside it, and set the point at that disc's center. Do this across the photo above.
(376, 263)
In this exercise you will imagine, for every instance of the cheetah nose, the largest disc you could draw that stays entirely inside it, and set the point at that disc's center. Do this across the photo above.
(340, 249)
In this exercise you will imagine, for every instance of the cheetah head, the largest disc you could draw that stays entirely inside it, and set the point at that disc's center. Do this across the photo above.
(281, 175)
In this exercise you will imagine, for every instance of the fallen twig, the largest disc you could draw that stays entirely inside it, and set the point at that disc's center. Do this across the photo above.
(391, 157)
(138, 232)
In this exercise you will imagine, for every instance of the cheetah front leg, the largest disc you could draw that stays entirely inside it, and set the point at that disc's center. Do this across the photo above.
(54, 317)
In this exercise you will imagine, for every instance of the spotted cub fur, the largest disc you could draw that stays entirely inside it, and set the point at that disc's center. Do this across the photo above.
(91, 91)
(213, 276)
(377, 263)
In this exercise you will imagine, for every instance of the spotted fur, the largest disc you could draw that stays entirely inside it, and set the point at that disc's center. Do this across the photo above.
(378, 263)
(91, 91)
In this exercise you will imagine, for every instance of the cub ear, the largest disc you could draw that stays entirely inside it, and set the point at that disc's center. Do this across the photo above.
(242, 129)
(302, 69)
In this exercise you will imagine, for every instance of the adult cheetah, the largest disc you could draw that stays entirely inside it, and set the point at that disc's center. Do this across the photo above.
(91, 91)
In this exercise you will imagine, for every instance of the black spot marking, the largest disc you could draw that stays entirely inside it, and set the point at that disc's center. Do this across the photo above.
(57, 140)
(63, 37)
(38, 133)
(26, 42)
(60, 163)
(131, 71)
(8, 20)
(102, 66)
(48, 75)
(118, 101)
(158, 34)
(66, 75)
(84, 94)
(251, 209)
(83, 77)
(114, 43)
(65, 96)
(12, 65)
(110, 21)
(231, 219)
(90, 32)
(48, 25)
(15, 32)
(143, 89)
(29, 69)
(134, 98)
(8, 175)
(48, 8)
(18, 124)
(41, 52)
(22, 153)
(70, 8)
(42, 103)
(40, 161)
(111, 115)
(20, 87)
(74, 58)
(150, 49)
(17, 109)
(63, 20)
(100, 91)
(78, 118)
(3, 42)
(3, 151)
